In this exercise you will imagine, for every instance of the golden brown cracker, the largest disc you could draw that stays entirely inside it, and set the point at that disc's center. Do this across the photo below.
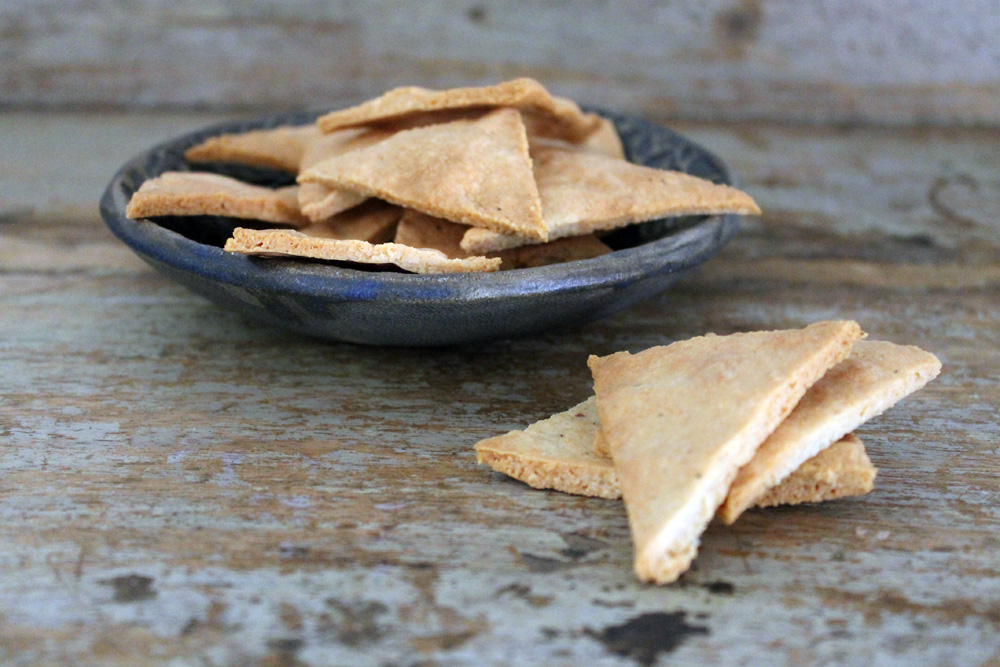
(555, 453)
(873, 378)
(583, 192)
(564, 117)
(373, 221)
(274, 242)
(319, 202)
(196, 193)
(423, 231)
(278, 148)
(675, 450)
(474, 172)
(841, 470)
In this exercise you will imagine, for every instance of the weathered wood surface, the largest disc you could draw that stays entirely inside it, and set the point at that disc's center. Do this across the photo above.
(920, 61)
(179, 486)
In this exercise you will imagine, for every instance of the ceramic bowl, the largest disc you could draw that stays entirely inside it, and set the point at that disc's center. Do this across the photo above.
(343, 303)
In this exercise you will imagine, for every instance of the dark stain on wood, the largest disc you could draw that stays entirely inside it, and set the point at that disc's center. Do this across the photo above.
(645, 637)
(354, 623)
(131, 587)
(579, 546)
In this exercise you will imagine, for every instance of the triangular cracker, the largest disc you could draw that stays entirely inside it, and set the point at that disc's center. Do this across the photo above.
(525, 94)
(874, 377)
(843, 469)
(279, 148)
(604, 141)
(373, 221)
(317, 201)
(277, 242)
(196, 193)
(583, 192)
(555, 453)
(675, 450)
(476, 172)
(423, 231)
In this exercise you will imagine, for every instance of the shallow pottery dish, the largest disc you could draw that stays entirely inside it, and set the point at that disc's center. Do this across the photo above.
(390, 308)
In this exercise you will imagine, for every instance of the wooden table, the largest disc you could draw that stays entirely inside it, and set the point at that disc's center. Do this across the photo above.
(180, 486)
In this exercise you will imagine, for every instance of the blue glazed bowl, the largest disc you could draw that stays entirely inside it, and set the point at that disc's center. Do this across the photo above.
(391, 308)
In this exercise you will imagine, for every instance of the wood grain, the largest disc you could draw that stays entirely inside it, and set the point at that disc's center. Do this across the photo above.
(179, 484)
(919, 61)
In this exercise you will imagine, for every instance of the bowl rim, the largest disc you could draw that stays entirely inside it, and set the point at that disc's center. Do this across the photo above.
(160, 245)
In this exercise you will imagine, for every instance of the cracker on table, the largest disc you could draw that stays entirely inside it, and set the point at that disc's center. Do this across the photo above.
(555, 453)
(279, 148)
(564, 116)
(872, 379)
(197, 193)
(841, 470)
(373, 221)
(583, 192)
(474, 172)
(287, 243)
(423, 231)
(675, 450)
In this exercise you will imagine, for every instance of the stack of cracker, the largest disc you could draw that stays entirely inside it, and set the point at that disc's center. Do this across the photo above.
(467, 179)
(715, 425)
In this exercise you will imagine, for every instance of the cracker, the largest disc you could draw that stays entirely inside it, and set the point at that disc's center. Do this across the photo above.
(604, 141)
(841, 470)
(559, 251)
(196, 193)
(475, 172)
(872, 379)
(279, 148)
(279, 242)
(675, 451)
(566, 118)
(373, 221)
(555, 453)
(317, 201)
(419, 230)
(423, 231)
(583, 192)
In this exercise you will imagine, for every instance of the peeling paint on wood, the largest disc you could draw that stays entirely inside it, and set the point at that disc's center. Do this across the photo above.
(177, 484)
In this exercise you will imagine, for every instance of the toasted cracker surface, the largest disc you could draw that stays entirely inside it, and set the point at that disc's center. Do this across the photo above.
(874, 377)
(841, 470)
(423, 231)
(373, 221)
(317, 201)
(196, 193)
(554, 252)
(278, 148)
(675, 451)
(475, 172)
(566, 118)
(555, 453)
(583, 192)
(419, 230)
(277, 242)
